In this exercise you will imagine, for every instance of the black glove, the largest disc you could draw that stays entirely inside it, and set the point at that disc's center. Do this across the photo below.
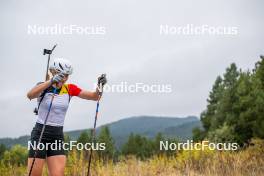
(102, 80)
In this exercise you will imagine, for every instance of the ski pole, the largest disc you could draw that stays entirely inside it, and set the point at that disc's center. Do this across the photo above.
(49, 52)
(42, 131)
(93, 130)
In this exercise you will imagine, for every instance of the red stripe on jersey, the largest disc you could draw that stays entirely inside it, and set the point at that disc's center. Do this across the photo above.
(74, 90)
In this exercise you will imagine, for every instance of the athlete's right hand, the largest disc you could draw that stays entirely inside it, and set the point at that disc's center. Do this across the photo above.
(57, 78)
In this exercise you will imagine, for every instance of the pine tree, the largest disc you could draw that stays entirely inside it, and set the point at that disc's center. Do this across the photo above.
(243, 109)
(139, 146)
(229, 98)
(105, 137)
(156, 143)
(84, 137)
(2, 150)
(235, 110)
(258, 94)
(208, 117)
(130, 146)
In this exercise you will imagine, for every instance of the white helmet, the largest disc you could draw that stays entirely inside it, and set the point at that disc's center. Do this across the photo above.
(62, 66)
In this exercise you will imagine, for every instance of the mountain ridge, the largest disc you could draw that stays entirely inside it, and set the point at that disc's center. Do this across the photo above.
(148, 126)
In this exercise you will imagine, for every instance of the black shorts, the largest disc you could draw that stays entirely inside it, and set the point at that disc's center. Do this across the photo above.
(51, 143)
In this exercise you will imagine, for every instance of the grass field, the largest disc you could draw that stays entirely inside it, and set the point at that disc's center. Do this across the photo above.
(248, 162)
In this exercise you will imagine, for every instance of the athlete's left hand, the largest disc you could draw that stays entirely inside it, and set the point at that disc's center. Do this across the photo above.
(102, 80)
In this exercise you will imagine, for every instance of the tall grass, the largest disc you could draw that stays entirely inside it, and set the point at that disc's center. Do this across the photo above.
(247, 162)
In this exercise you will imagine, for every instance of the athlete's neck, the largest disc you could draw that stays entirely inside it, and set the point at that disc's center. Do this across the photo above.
(57, 85)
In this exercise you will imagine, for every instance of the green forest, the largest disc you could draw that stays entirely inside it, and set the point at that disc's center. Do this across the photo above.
(235, 110)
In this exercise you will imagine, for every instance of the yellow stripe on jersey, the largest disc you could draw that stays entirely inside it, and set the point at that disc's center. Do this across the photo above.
(64, 89)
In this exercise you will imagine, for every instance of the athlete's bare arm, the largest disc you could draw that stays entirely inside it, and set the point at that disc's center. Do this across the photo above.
(35, 91)
(88, 95)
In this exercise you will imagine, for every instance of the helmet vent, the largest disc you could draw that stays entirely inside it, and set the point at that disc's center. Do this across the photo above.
(60, 66)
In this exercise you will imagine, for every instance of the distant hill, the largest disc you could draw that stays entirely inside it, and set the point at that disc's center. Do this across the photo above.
(149, 126)
(22, 140)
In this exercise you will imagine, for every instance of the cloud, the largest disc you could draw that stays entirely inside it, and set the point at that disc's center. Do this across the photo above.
(132, 50)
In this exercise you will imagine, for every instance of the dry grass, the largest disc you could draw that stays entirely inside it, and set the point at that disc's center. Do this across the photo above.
(249, 162)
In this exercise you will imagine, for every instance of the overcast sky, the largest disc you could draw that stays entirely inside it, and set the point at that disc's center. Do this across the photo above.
(130, 50)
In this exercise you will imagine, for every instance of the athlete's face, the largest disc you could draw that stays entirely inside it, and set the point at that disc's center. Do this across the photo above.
(65, 78)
